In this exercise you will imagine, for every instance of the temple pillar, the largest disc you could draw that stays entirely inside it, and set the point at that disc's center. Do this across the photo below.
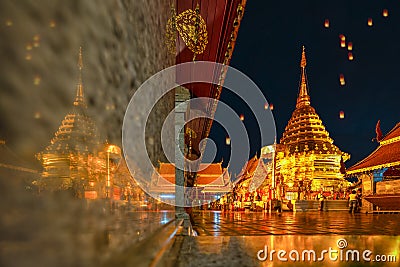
(181, 95)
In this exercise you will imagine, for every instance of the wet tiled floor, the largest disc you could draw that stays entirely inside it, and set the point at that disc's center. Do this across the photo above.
(305, 223)
(263, 239)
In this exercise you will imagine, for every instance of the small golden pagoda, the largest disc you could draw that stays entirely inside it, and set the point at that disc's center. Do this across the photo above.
(66, 160)
(306, 158)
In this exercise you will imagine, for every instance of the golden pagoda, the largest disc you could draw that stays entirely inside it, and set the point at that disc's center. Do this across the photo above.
(306, 158)
(66, 160)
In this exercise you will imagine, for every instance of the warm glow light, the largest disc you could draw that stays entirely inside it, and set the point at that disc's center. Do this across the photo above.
(342, 43)
(228, 140)
(241, 117)
(36, 37)
(341, 79)
(36, 80)
(52, 24)
(341, 114)
(28, 57)
(37, 115)
(350, 56)
(369, 21)
(266, 106)
(28, 47)
(326, 23)
(9, 23)
(342, 37)
(271, 106)
(349, 46)
(385, 13)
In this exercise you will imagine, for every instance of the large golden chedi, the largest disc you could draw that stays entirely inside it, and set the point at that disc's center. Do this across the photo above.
(66, 160)
(306, 158)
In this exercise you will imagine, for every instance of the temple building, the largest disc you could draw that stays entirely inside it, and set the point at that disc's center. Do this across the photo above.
(306, 158)
(379, 172)
(212, 182)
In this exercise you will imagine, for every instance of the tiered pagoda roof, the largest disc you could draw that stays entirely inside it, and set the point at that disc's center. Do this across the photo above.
(386, 155)
(305, 131)
(77, 132)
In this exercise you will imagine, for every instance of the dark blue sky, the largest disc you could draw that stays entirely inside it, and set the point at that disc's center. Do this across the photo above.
(268, 50)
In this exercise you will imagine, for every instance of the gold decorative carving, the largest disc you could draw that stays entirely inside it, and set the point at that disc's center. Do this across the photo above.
(191, 27)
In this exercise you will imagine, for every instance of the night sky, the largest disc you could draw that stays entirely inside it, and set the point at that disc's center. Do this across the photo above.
(268, 50)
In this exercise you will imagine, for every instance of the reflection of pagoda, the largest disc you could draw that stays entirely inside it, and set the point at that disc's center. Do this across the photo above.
(306, 158)
(65, 160)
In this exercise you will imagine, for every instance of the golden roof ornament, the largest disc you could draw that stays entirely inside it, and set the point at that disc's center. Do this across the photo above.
(79, 100)
(303, 98)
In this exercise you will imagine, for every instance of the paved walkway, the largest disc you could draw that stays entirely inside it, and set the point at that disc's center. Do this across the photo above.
(255, 239)
(210, 223)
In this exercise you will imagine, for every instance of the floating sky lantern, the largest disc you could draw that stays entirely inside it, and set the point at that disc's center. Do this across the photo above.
(369, 22)
(37, 115)
(241, 117)
(28, 57)
(385, 13)
(341, 114)
(342, 43)
(350, 56)
(228, 141)
(52, 24)
(342, 37)
(271, 106)
(28, 47)
(266, 106)
(349, 46)
(326, 23)
(341, 79)
(9, 23)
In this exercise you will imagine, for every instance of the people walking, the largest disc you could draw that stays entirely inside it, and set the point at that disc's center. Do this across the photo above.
(353, 202)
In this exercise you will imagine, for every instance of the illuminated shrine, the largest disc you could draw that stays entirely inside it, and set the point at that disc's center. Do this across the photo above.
(306, 158)
(379, 172)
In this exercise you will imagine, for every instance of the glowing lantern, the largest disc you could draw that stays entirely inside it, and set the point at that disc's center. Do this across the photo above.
(342, 37)
(28, 57)
(326, 23)
(341, 114)
(342, 43)
(349, 46)
(52, 24)
(36, 80)
(341, 79)
(37, 115)
(271, 106)
(241, 117)
(385, 13)
(266, 106)
(28, 47)
(369, 21)
(351, 56)
(228, 140)
(9, 23)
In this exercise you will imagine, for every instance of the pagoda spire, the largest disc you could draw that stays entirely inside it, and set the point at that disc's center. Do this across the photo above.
(79, 100)
(303, 99)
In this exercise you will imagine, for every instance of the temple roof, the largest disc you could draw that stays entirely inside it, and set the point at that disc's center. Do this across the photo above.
(248, 169)
(77, 132)
(213, 177)
(386, 155)
(305, 131)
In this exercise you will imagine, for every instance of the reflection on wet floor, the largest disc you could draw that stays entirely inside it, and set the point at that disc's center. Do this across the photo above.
(248, 239)
(307, 223)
